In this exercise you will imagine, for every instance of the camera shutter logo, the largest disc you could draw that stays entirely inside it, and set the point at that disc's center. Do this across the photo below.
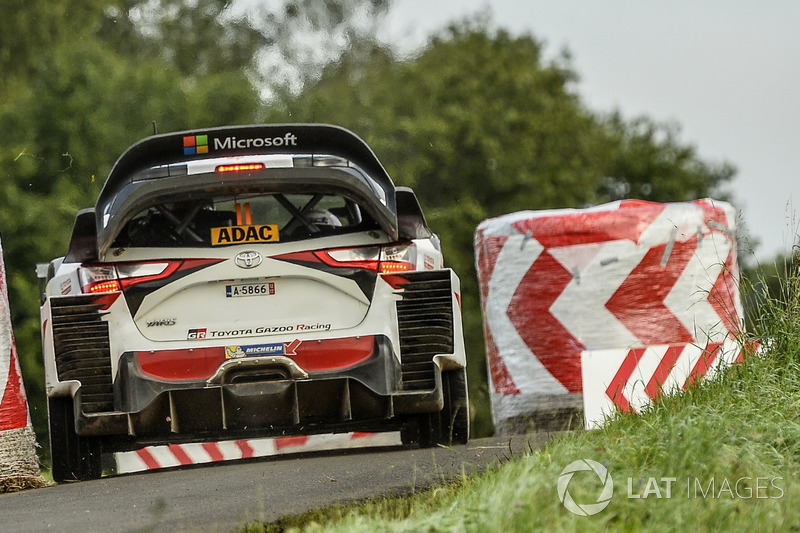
(585, 509)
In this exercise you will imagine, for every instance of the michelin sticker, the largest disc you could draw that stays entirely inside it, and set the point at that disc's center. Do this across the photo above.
(262, 350)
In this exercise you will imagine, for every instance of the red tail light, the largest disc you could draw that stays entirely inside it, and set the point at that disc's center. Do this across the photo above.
(104, 278)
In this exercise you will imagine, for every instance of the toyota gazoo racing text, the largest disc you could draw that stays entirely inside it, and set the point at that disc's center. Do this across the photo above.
(244, 282)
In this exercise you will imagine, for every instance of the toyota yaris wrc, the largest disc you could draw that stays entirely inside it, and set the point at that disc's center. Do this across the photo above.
(244, 282)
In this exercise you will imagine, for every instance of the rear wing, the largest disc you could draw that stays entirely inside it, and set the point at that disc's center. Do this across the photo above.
(161, 156)
(225, 141)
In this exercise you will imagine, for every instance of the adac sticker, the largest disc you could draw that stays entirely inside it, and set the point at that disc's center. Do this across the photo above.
(243, 234)
(262, 350)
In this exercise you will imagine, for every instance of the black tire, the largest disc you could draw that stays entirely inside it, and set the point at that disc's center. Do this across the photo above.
(74, 458)
(450, 425)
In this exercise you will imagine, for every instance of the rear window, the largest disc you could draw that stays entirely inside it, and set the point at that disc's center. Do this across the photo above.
(255, 218)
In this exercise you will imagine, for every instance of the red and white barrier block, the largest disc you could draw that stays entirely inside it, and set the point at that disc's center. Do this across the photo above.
(19, 466)
(629, 273)
(631, 379)
(155, 457)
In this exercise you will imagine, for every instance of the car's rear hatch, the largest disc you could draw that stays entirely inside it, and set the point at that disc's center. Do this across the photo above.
(245, 231)
(293, 293)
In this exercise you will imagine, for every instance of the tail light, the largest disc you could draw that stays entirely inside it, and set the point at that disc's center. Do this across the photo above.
(381, 259)
(97, 279)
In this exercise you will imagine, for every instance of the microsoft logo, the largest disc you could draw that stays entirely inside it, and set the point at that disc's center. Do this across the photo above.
(195, 144)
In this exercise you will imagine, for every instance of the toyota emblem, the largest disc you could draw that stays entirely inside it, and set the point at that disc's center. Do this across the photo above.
(248, 259)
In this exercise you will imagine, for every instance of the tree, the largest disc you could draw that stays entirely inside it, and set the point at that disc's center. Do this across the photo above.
(479, 124)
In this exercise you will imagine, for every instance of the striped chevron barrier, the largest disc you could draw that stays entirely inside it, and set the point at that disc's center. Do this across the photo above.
(629, 273)
(19, 466)
(630, 379)
(155, 457)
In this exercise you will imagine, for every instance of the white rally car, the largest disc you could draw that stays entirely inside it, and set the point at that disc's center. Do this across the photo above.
(249, 281)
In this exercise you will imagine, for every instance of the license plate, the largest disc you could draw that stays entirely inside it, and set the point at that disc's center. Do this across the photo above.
(250, 289)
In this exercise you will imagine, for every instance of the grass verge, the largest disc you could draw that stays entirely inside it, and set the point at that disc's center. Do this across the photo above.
(722, 456)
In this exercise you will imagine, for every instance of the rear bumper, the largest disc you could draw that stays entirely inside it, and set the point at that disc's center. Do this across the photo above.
(369, 396)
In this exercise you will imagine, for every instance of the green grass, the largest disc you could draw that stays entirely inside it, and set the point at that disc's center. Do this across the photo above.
(744, 424)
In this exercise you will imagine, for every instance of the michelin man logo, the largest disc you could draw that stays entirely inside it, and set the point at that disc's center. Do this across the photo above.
(585, 509)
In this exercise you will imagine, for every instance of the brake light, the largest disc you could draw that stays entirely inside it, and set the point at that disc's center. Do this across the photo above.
(399, 258)
(240, 167)
(390, 267)
(103, 286)
(98, 278)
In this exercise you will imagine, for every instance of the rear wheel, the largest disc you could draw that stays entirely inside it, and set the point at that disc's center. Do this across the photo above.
(74, 458)
(450, 425)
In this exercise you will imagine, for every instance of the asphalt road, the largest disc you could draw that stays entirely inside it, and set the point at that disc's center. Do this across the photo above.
(223, 496)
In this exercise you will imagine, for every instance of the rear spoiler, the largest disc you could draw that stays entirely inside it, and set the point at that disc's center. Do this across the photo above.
(138, 162)
(190, 145)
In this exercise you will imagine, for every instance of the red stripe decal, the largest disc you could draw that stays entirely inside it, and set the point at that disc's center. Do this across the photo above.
(654, 386)
(288, 442)
(627, 222)
(549, 341)
(617, 385)
(13, 405)
(213, 451)
(148, 459)
(725, 292)
(180, 454)
(702, 365)
(246, 449)
(501, 377)
(639, 302)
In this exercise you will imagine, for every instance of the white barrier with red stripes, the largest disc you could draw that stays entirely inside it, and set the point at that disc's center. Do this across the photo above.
(629, 273)
(172, 455)
(13, 403)
(631, 379)
(19, 466)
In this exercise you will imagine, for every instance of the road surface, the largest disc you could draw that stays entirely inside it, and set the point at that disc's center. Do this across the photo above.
(221, 497)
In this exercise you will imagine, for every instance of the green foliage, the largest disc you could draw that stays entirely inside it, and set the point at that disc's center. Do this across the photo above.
(646, 161)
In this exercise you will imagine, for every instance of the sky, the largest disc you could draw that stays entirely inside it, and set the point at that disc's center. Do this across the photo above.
(726, 72)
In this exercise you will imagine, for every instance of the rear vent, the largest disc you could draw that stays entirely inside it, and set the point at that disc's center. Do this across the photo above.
(425, 320)
(82, 351)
